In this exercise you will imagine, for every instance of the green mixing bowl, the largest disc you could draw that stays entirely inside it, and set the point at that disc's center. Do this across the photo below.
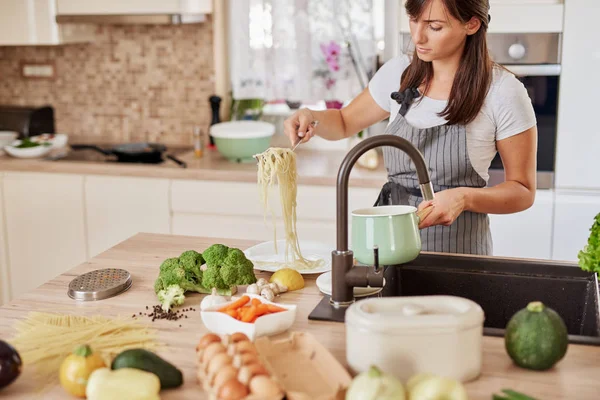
(238, 141)
(394, 229)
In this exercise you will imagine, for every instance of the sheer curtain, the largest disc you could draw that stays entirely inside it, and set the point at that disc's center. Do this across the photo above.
(301, 50)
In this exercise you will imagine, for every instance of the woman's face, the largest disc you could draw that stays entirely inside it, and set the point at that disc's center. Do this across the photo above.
(436, 34)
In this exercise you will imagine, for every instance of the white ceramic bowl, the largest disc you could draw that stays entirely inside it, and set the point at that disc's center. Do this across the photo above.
(265, 325)
(29, 152)
(58, 140)
(7, 137)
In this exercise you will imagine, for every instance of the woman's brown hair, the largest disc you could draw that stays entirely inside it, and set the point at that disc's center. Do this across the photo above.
(474, 74)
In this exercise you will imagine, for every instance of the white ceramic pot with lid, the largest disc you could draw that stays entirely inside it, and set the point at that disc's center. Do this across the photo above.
(404, 336)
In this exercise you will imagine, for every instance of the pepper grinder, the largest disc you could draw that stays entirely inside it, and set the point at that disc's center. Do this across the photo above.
(215, 104)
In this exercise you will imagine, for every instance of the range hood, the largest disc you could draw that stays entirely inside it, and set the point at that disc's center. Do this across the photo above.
(133, 11)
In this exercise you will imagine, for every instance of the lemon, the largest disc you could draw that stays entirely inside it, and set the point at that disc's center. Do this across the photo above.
(288, 277)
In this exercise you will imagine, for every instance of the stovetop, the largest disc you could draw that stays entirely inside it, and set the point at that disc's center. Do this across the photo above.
(89, 155)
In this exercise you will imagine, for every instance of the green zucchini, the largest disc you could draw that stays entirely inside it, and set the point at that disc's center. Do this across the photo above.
(536, 337)
(167, 373)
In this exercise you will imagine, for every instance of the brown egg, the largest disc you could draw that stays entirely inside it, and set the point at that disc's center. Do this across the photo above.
(239, 337)
(247, 372)
(241, 348)
(216, 363)
(244, 359)
(265, 387)
(211, 350)
(206, 340)
(232, 390)
(223, 375)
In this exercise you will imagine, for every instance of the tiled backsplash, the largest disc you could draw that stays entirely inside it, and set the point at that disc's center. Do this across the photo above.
(133, 83)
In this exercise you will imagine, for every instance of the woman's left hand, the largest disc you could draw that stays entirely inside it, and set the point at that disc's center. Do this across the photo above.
(447, 206)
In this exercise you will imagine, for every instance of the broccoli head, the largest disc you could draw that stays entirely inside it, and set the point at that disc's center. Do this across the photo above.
(169, 263)
(215, 254)
(237, 269)
(225, 268)
(171, 296)
(191, 261)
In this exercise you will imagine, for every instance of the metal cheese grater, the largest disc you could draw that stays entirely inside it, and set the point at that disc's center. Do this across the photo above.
(99, 284)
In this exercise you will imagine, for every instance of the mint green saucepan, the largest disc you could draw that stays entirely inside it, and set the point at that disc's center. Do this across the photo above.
(393, 229)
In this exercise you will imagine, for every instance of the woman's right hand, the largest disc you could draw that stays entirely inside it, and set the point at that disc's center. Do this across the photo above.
(299, 126)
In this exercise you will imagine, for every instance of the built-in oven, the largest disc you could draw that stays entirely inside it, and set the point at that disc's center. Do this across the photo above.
(534, 58)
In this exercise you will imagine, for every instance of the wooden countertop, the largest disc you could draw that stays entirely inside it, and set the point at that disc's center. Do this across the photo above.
(315, 167)
(575, 377)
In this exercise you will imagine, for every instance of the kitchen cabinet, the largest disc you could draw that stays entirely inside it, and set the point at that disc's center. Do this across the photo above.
(226, 210)
(45, 233)
(527, 233)
(119, 207)
(4, 277)
(578, 131)
(541, 16)
(33, 22)
(573, 217)
(133, 7)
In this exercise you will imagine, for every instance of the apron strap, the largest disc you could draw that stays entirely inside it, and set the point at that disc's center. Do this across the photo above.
(405, 99)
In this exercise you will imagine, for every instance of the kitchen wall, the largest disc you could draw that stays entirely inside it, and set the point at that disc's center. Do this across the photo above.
(133, 83)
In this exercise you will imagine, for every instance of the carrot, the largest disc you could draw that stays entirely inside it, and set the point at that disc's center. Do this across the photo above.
(272, 308)
(236, 304)
(261, 309)
(249, 314)
(231, 313)
(256, 302)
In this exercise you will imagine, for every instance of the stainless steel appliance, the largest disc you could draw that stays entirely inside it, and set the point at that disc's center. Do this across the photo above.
(535, 58)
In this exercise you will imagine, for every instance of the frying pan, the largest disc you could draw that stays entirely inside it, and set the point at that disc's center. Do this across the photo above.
(142, 152)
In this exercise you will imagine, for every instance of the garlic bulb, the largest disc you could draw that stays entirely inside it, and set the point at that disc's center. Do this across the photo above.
(212, 299)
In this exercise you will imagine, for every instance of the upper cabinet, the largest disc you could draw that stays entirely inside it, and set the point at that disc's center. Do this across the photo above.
(33, 22)
(508, 16)
(134, 11)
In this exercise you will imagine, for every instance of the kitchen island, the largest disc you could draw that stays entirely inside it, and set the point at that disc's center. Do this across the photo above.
(575, 377)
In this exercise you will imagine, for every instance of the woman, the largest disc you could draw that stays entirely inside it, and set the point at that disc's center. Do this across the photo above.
(458, 108)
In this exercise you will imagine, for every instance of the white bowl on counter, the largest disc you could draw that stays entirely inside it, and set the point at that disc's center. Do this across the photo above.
(7, 138)
(405, 336)
(265, 325)
(28, 152)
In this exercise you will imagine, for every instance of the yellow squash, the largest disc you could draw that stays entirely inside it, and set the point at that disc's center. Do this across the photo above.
(77, 368)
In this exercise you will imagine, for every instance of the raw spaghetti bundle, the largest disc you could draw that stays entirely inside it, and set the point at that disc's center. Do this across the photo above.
(44, 339)
(278, 165)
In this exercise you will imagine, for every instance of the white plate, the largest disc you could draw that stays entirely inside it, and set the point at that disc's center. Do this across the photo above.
(324, 285)
(265, 253)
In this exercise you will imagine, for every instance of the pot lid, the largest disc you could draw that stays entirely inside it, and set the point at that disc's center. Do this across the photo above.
(242, 129)
(415, 313)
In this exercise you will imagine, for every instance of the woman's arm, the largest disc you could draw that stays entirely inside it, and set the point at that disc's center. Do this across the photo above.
(361, 113)
(515, 194)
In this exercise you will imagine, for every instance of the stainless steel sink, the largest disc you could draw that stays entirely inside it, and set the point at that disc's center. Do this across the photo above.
(501, 286)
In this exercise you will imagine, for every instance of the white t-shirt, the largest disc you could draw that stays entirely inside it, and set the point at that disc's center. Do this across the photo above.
(506, 111)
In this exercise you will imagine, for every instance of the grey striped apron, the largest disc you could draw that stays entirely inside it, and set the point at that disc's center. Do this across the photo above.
(445, 151)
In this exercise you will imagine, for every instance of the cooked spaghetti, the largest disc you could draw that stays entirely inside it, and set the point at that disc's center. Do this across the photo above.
(279, 165)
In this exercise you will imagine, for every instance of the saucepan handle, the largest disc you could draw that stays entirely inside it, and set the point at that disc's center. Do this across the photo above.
(422, 214)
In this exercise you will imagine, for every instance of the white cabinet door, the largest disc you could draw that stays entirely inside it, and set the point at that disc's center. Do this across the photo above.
(4, 276)
(525, 234)
(132, 7)
(117, 208)
(233, 209)
(578, 138)
(33, 22)
(573, 218)
(250, 228)
(44, 225)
